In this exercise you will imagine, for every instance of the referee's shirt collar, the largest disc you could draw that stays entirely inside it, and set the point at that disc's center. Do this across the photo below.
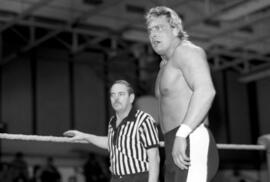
(130, 117)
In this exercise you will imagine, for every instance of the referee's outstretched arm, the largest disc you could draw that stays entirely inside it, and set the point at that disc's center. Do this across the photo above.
(99, 141)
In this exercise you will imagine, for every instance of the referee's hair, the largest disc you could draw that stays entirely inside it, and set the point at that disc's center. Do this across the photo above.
(127, 84)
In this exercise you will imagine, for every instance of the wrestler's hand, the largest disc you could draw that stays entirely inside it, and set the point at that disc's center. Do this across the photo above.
(179, 155)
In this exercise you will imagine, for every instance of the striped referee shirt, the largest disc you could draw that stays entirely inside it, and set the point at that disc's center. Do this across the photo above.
(128, 143)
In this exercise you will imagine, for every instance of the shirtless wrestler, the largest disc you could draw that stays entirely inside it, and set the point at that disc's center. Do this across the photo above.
(185, 93)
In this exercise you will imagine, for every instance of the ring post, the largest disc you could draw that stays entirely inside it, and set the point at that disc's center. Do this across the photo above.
(265, 140)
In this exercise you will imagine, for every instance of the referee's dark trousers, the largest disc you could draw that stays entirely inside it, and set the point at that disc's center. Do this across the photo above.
(138, 177)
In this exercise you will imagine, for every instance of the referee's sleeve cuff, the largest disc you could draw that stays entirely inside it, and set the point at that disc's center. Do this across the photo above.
(152, 146)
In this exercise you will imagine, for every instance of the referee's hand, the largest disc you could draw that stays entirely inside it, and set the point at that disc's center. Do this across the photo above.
(75, 135)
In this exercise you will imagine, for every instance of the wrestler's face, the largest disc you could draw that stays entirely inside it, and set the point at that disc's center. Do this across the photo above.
(121, 100)
(161, 34)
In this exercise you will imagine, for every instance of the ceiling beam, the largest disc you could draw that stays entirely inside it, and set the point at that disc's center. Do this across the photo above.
(240, 61)
(256, 75)
(261, 38)
(25, 13)
(212, 14)
(225, 64)
(69, 25)
(91, 42)
(61, 27)
(87, 14)
(179, 3)
(231, 28)
(28, 47)
(241, 55)
(243, 9)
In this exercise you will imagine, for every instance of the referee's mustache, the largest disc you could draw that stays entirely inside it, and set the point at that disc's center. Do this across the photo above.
(116, 102)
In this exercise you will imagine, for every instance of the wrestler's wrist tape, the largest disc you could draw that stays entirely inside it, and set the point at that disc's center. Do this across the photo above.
(183, 131)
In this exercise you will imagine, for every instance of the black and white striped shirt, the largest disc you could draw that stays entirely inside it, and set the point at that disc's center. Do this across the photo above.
(128, 143)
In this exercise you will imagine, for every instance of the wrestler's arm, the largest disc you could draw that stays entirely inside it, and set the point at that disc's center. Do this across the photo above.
(99, 141)
(195, 69)
(153, 156)
(193, 64)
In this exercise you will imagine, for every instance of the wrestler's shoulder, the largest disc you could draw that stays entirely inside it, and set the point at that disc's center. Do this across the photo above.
(188, 47)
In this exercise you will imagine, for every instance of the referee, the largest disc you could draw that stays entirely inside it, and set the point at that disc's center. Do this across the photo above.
(132, 139)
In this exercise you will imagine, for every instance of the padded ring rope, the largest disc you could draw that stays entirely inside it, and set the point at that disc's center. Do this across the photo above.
(38, 138)
(224, 146)
(69, 140)
(241, 147)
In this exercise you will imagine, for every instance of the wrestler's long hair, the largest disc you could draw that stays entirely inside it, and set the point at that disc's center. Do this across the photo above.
(173, 19)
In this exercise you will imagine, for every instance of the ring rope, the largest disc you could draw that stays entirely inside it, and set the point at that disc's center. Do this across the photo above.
(235, 146)
(240, 147)
(70, 140)
(38, 138)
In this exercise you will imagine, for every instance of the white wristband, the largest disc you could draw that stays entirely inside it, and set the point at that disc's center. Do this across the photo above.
(183, 131)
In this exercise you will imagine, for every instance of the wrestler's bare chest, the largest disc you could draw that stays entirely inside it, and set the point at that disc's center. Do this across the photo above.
(173, 94)
(169, 81)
